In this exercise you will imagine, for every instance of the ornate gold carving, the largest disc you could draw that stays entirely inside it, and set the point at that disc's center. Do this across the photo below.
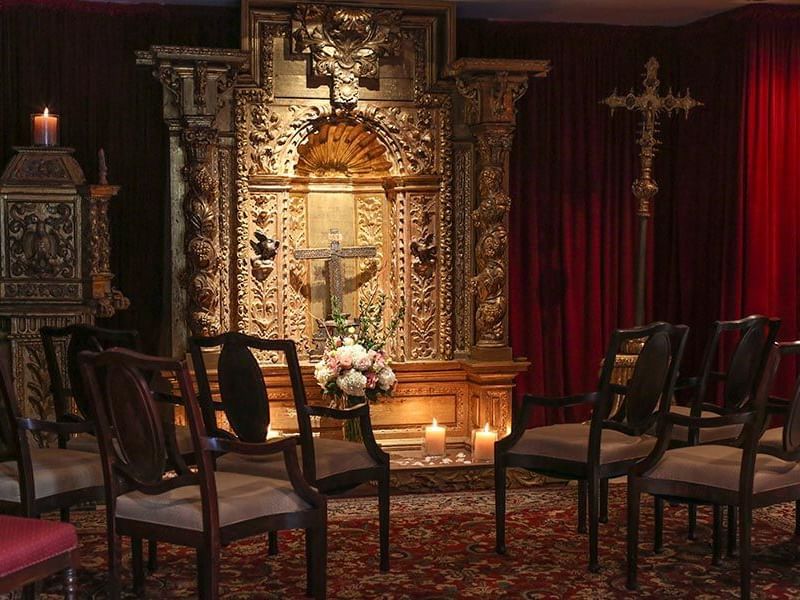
(422, 324)
(463, 193)
(342, 148)
(107, 300)
(202, 223)
(405, 133)
(224, 162)
(41, 239)
(345, 43)
(490, 256)
(651, 105)
(268, 32)
(369, 234)
(264, 302)
(294, 274)
(263, 125)
(446, 220)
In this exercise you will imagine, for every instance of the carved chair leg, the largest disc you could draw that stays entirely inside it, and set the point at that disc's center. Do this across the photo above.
(138, 566)
(500, 505)
(745, 522)
(633, 536)
(582, 492)
(207, 574)
(70, 584)
(594, 521)
(383, 518)
(658, 528)
(716, 541)
(732, 518)
(64, 515)
(604, 500)
(317, 550)
(114, 559)
(272, 543)
(692, 521)
(152, 556)
(309, 535)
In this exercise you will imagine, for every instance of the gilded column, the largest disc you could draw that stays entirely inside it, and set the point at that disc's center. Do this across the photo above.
(197, 110)
(491, 89)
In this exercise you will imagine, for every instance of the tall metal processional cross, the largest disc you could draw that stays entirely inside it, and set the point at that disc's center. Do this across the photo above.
(651, 105)
(333, 256)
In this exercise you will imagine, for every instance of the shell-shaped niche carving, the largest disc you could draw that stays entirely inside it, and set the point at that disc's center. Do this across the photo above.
(342, 149)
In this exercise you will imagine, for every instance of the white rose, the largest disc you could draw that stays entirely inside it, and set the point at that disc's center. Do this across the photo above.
(348, 341)
(352, 382)
(386, 379)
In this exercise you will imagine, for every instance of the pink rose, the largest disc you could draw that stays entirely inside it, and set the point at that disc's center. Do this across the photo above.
(372, 380)
(346, 361)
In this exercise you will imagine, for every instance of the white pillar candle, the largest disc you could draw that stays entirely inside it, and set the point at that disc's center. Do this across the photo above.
(45, 129)
(434, 440)
(483, 444)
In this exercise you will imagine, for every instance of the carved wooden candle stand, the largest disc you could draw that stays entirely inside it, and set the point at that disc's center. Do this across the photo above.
(55, 261)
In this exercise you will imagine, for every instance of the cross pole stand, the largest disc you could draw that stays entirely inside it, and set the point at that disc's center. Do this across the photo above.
(651, 105)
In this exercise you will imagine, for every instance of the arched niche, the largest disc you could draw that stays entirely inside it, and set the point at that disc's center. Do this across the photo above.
(339, 176)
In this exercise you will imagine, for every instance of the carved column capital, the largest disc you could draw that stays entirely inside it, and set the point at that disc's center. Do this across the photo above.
(491, 89)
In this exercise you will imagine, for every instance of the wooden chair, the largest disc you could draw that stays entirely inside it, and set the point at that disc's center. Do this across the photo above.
(38, 480)
(606, 447)
(33, 549)
(331, 465)
(73, 340)
(742, 474)
(203, 509)
(738, 378)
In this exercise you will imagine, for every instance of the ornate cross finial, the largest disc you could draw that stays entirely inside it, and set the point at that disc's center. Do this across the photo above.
(651, 105)
(345, 43)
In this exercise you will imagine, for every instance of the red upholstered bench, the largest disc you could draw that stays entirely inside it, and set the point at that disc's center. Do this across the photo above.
(32, 549)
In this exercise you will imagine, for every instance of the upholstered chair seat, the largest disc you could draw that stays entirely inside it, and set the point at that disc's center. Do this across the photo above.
(55, 471)
(571, 442)
(241, 498)
(721, 466)
(332, 457)
(681, 433)
(27, 542)
(772, 440)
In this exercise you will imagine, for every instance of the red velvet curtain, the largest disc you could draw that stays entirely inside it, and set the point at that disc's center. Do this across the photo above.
(78, 58)
(572, 226)
(767, 255)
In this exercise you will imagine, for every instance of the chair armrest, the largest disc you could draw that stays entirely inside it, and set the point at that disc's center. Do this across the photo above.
(561, 402)
(354, 412)
(216, 444)
(59, 427)
(288, 446)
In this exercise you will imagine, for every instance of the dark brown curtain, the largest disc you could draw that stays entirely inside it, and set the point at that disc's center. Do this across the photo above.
(78, 59)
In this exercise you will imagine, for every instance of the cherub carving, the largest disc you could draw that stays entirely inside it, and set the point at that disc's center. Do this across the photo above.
(266, 249)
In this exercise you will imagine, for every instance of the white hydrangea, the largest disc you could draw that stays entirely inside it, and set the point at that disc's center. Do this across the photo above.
(323, 373)
(361, 358)
(386, 379)
(352, 382)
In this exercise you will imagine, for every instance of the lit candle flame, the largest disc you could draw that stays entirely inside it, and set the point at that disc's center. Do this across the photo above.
(434, 422)
(486, 427)
(46, 112)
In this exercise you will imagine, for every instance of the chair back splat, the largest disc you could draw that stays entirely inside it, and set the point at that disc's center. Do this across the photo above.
(76, 339)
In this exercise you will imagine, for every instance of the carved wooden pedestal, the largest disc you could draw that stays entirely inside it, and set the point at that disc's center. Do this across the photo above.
(55, 269)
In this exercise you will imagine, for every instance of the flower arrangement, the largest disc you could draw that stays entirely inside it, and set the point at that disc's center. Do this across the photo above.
(354, 368)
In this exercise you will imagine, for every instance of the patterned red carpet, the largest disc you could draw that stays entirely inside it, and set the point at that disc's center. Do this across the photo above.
(443, 548)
